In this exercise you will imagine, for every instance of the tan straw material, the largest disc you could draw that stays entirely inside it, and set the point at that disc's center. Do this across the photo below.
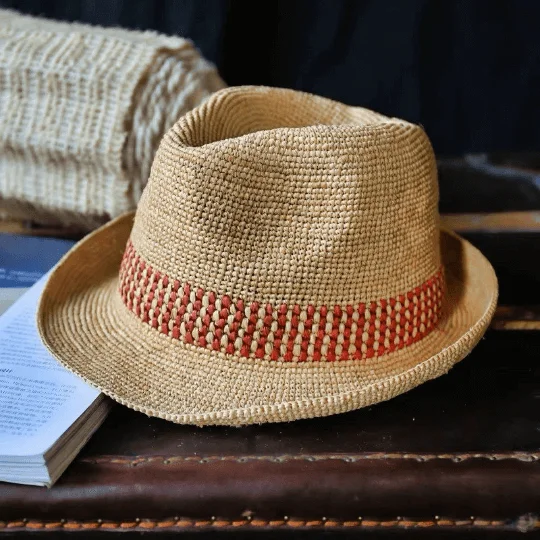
(83, 110)
(285, 262)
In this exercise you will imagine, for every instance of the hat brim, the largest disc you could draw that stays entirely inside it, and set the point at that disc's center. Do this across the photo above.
(84, 324)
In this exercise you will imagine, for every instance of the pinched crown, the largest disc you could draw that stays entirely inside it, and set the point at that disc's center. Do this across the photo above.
(280, 225)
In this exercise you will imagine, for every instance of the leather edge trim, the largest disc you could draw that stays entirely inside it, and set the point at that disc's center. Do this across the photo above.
(525, 457)
(523, 523)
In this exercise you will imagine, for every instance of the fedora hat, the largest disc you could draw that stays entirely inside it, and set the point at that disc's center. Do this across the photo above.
(285, 261)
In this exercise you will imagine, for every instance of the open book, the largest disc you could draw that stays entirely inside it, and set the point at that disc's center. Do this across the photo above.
(47, 414)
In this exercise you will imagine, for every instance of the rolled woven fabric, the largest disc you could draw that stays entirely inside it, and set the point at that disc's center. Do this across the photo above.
(83, 109)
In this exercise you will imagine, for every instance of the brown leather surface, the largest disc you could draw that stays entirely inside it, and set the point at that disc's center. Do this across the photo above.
(459, 455)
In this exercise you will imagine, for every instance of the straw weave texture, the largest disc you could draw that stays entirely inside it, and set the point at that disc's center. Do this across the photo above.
(285, 262)
(290, 198)
(83, 110)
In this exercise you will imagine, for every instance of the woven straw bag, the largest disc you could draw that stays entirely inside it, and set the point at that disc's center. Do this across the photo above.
(83, 110)
(285, 261)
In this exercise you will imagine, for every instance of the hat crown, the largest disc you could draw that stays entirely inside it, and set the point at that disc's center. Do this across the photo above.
(277, 196)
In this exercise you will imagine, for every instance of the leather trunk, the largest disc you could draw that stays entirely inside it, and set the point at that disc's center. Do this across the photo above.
(456, 457)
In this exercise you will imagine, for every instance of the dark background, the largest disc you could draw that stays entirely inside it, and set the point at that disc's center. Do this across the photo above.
(467, 70)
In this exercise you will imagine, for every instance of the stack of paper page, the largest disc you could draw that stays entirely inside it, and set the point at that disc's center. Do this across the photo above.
(46, 413)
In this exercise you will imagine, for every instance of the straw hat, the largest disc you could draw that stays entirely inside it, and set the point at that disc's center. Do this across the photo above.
(285, 261)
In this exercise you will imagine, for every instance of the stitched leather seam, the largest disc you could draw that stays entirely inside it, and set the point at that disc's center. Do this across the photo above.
(524, 523)
(524, 457)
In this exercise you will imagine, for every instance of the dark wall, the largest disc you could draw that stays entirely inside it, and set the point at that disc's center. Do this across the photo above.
(467, 70)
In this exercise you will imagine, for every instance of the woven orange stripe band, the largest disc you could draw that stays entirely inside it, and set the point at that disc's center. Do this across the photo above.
(284, 332)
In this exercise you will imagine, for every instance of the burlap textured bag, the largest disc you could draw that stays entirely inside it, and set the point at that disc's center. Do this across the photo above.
(83, 110)
(285, 262)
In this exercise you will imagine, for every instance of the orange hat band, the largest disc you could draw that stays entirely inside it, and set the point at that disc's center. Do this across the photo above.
(290, 333)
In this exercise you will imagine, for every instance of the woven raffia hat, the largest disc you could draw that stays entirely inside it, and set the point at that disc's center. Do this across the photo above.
(285, 261)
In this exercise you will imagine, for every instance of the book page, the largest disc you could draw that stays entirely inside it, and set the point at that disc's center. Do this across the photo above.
(39, 399)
